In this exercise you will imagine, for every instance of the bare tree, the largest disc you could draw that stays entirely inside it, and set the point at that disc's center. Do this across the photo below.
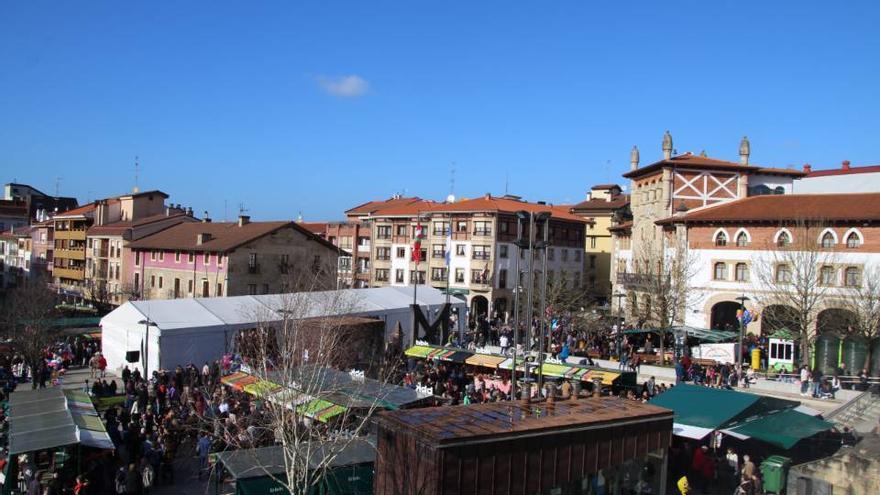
(863, 301)
(27, 317)
(313, 405)
(790, 273)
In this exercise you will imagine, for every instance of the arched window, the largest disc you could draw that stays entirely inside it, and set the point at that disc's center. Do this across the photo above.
(742, 272)
(826, 275)
(783, 239)
(720, 271)
(827, 240)
(742, 239)
(852, 277)
(783, 274)
(721, 238)
(853, 240)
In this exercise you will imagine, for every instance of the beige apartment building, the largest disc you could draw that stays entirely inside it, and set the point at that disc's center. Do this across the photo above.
(481, 263)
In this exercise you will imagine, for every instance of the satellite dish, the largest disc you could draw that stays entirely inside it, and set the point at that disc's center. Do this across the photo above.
(450, 198)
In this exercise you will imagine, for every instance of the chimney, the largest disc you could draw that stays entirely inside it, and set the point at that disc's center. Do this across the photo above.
(189, 211)
(206, 218)
(745, 150)
(667, 146)
(807, 168)
(845, 165)
(634, 158)
(243, 220)
(203, 238)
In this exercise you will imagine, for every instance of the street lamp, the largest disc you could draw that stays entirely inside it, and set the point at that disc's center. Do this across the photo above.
(520, 246)
(542, 218)
(147, 323)
(619, 296)
(742, 305)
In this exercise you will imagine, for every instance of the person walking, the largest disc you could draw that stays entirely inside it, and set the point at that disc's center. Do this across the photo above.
(805, 380)
(203, 449)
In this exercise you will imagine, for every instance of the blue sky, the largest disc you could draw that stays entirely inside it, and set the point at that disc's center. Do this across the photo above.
(289, 107)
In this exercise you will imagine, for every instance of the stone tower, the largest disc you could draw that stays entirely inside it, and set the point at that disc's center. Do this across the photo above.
(667, 146)
(744, 151)
(634, 158)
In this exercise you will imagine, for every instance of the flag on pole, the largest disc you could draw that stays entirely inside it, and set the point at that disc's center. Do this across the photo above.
(744, 316)
(418, 235)
(448, 244)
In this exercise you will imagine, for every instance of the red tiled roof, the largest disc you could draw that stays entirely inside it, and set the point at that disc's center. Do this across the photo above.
(119, 228)
(481, 204)
(616, 202)
(867, 169)
(78, 212)
(225, 236)
(849, 207)
(314, 227)
(373, 206)
(603, 187)
(621, 227)
(696, 161)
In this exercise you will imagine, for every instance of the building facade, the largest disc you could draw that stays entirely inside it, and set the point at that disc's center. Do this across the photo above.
(208, 259)
(479, 235)
(603, 202)
(846, 179)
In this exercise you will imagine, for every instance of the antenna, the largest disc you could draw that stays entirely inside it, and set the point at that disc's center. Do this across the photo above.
(506, 182)
(241, 209)
(137, 167)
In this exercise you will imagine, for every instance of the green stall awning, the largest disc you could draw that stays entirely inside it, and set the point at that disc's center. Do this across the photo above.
(783, 429)
(704, 407)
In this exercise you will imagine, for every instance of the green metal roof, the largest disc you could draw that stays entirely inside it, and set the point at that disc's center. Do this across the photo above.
(783, 429)
(704, 407)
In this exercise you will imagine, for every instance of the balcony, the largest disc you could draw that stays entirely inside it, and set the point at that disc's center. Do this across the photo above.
(363, 248)
(438, 254)
(480, 256)
(76, 235)
(253, 269)
(71, 254)
(69, 273)
(642, 280)
(482, 232)
(99, 253)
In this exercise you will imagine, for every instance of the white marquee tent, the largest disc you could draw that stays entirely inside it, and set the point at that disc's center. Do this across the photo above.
(196, 330)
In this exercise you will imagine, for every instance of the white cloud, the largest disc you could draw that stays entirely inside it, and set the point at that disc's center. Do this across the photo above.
(344, 86)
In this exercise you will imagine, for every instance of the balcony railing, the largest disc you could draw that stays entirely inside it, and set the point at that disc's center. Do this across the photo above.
(363, 248)
(99, 253)
(68, 273)
(483, 232)
(481, 256)
(71, 254)
(438, 254)
(636, 279)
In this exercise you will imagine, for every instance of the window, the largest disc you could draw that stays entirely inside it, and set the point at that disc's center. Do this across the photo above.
(219, 292)
(438, 274)
(383, 232)
(482, 228)
(401, 252)
(252, 262)
(441, 228)
(461, 226)
(783, 274)
(206, 259)
(284, 264)
(176, 288)
(592, 261)
(502, 278)
(400, 230)
(459, 275)
(460, 250)
(783, 239)
(721, 239)
(828, 240)
(219, 259)
(252, 289)
(720, 271)
(177, 256)
(137, 281)
(189, 287)
(438, 251)
(503, 227)
(152, 281)
(480, 276)
(190, 257)
(592, 242)
(160, 282)
(826, 275)
(382, 275)
(383, 253)
(742, 239)
(852, 277)
(152, 255)
(265, 288)
(502, 251)
(161, 255)
(481, 252)
(577, 255)
(398, 276)
(853, 240)
(742, 272)
(417, 277)
(137, 258)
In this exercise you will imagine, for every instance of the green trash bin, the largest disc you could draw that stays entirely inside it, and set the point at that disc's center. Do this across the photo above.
(774, 470)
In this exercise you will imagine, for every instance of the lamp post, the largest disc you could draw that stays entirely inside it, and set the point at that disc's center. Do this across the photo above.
(147, 323)
(543, 218)
(520, 216)
(619, 296)
(742, 306)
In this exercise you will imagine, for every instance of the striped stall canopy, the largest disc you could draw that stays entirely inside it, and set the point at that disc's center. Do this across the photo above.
(238, 380)
(418, 351)
(485, 360)
(320, 410)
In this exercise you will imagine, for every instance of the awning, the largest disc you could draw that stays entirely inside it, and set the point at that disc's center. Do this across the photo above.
(418, 351)
(782, 429)
(238, 380)
(320, 410)
(607, 377)
(49, 418)
(485, 360)
(261, 388)
(704, 407)
(687, 431)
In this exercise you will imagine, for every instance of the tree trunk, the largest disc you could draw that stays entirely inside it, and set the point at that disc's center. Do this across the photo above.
(805, 349)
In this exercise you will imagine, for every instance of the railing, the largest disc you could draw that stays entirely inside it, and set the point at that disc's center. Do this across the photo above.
(481, 256)
(857, 405)
(68, 273)
(78, 234)
(438, 254)
(99, 253)
(483, 232)
(72, 254)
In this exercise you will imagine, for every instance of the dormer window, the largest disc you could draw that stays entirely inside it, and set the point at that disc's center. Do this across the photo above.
(742, 239)
(783, 239)
(853, 240)
(721, 239)
(828, 241)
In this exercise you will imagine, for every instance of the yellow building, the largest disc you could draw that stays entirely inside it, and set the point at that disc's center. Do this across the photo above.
(601, 204)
